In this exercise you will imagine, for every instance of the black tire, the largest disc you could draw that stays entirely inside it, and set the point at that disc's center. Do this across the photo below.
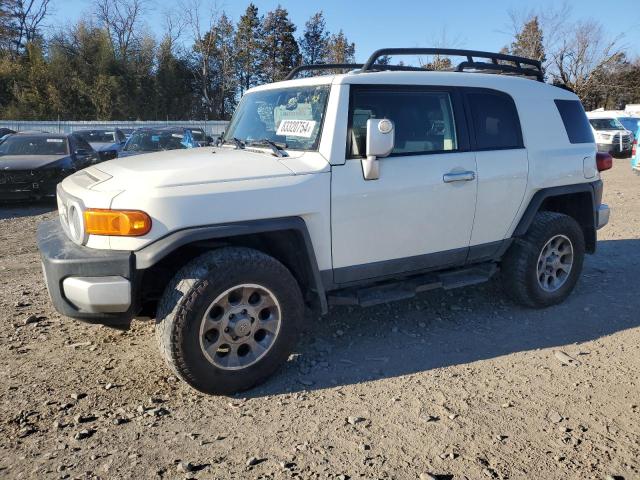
(519, 266)
(189, 295)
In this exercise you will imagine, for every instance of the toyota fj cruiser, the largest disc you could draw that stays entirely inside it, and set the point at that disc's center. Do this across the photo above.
(353, 188)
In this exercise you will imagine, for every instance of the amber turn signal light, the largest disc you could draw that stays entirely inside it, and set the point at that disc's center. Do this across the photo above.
(125, 223)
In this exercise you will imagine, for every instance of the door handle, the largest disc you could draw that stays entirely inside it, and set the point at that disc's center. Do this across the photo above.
(458, 177)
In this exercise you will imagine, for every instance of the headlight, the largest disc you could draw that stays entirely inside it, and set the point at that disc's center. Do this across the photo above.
(76, 223)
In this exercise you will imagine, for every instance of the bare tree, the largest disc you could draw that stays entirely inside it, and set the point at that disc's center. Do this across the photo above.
(121, 19)
(584, 58)
(200, 20)
(28, 16)
(174, 26)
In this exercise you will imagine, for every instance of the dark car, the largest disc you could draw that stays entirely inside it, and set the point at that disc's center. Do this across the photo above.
(32, 164)
(201, 137)
(5, 131)
(147, 140)
(107, 142)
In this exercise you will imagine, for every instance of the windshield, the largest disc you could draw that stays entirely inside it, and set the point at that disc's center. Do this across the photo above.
(290, 116)
(98, 136)
(41, 145)
(156, 140)
(606, 124)
(630, 123)
(198, 134)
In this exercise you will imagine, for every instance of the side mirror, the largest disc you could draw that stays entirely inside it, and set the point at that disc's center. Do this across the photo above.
(380, 142)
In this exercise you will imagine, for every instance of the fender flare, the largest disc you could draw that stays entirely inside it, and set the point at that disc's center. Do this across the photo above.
(151, 254)
(594, 189)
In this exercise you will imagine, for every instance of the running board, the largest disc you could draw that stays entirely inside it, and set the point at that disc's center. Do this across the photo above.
(408, 288)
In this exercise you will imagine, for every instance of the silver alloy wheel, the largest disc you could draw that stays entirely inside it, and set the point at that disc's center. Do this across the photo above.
(240, 326)
(554, 263)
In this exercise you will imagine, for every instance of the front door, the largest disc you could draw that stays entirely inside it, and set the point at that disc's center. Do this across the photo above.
(419, 214)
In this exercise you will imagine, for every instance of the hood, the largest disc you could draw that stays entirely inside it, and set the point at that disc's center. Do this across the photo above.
(102, 146)
(190, 166)
(30, 162)
(131, 153)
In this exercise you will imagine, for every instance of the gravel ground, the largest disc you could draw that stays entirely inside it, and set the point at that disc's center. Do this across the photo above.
(451, 385)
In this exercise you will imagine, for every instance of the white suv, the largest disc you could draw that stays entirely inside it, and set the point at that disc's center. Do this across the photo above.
(354, 188)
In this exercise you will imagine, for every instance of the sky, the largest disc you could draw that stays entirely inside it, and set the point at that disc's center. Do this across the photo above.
(373, 24)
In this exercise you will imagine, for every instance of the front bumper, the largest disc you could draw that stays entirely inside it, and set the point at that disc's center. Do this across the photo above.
(615, 149)
(28, 191)
(84, 283)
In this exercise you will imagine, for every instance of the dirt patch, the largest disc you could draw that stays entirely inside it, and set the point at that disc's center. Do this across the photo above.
(459, 384)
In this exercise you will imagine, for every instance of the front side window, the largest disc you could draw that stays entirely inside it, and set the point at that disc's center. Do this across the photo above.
(630, 123)
(495, 121)
(289, 116)
(423, 120)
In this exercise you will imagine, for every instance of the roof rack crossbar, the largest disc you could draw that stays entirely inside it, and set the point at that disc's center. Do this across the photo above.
(322, 66)
(350, 66)
(533, 67)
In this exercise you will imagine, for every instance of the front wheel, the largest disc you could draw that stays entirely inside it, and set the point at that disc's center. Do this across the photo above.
(542, 268)
(229, 319)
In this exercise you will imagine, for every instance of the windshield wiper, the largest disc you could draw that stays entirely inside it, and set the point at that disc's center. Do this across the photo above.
(236, 141)
(276, 147)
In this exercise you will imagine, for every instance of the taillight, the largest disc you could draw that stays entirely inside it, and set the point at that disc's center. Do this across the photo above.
(604, 161)
(634, 150)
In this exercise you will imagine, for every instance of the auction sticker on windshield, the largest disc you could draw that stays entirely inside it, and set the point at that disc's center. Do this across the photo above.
(296, 128)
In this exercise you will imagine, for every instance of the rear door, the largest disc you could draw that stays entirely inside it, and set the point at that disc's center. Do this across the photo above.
(419, 214)
(502, 167)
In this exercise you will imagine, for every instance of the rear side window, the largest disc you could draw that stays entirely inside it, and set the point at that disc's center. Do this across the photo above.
(495, 121)
(575, 121)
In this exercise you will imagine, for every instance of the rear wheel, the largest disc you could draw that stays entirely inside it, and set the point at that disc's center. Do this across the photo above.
(229, 319)
(542, 268)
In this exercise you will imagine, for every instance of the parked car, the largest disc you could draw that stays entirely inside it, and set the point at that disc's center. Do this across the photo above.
(147, 140)
(127, 132)
(611, 136)
(5, 131)
(635, 154)
(201, 137)
(107, 142)
(32, 164)
(347, 189)
(630, 123)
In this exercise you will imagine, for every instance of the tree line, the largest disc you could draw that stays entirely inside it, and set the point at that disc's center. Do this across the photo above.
(108, 66)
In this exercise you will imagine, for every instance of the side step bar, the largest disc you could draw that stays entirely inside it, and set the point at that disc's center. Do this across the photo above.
(409, 287)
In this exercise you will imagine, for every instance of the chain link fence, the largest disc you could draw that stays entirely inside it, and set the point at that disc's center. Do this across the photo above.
(211, 127)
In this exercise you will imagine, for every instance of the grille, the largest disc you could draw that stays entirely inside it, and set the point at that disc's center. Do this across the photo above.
(20, 176)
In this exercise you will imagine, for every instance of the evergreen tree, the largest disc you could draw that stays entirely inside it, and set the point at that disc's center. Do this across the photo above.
(315, 40)
(340, 50)
(224, 77)
(248, 46)
(529, 41)
(281, 51)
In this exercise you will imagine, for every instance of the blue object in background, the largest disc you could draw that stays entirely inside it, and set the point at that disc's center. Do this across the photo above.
(635, 159)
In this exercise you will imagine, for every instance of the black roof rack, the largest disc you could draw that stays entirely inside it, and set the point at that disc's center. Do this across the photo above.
(349, 66)
(520, 65)
(517, 65)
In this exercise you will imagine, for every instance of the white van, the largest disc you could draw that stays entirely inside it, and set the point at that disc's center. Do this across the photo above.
(610, 133)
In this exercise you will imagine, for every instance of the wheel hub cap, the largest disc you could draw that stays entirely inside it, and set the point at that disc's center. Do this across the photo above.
(554, 263)
(240, 326)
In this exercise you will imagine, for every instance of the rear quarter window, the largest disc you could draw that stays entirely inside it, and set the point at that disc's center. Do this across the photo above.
(495, 121)
(575, 121)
